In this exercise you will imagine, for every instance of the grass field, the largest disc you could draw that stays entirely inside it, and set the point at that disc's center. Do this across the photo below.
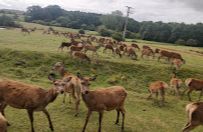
(40, 53)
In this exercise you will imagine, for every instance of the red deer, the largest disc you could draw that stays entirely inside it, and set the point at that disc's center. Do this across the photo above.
(195, 116)
(91, 48)
(118, 52)
(108, 46)
(73, 88)
(175, 84)
(32, 98)
(130, 52)
(194, 84)
(158, 87)
(81, 56)
(157, 51)
(135, 46)
(75, 48)
(24, 30)
(145, 47)
(3, 123)
(101, 100)
(64, 44)
(170, 55)
(177, 63)
(148, 52)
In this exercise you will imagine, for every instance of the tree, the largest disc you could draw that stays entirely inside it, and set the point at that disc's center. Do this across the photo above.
(117, 36)
(117, 13)
(191, 42)
(7, 21)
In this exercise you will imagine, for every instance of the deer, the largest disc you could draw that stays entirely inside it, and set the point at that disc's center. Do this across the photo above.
(3, 123)
(32, 98)
(91, 48)
(100, 100)
(175, 84)
(195, 116)
(64, 44)
(193, 84)
(158, 87)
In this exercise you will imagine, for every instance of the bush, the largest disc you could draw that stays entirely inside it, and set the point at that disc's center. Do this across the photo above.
(130, 35)
(81, 31)
(7, 21)
(117, 36)
(192, 42)
(105, 32)
(180, 41)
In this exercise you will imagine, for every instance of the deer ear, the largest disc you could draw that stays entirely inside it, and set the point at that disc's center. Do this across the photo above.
(79, 75)
(93, 78)
(52, 77)
(67, 79)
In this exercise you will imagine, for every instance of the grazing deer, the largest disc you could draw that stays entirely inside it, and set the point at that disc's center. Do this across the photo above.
(64, 44)
(175, 84)
(91, 48)
(158, 87)
(24, 30)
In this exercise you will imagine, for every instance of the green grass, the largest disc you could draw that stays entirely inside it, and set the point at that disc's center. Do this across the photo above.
(40, 53)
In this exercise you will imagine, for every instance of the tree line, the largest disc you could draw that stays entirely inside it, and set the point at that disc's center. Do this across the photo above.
(112, 25)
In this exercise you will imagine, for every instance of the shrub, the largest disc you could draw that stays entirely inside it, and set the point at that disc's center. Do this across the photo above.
(192, 42)
(117, 36)
(7, 21)
(81, 31)
(180, 41)
(105, 32)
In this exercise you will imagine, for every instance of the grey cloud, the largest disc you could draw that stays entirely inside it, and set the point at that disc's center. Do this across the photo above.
(194, 4)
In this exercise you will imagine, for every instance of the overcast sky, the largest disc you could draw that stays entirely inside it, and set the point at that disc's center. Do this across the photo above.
(188, 11)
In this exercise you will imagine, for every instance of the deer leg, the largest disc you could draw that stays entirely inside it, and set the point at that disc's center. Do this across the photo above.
(49, 119)
(200, 94)
(87, 119)
(2, 108)
(64, 97)
(77, 103)
(30, 114)
(100, 120)
(189, 127)
(150, 95)
(188, 94)
(118, 114)
(123, 118)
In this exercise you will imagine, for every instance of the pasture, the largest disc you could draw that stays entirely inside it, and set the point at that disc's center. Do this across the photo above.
(40, 52)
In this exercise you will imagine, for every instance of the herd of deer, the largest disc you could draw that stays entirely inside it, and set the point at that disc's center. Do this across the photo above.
(34, 98)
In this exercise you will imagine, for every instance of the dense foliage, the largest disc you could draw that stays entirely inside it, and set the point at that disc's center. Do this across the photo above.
(189, 34)
(7, 21)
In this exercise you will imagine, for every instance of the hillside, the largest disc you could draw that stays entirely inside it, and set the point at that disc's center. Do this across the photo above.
(39, 52)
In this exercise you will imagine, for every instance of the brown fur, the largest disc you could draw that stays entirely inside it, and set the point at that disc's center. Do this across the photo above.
(81, 56)
(91, 48)
(74, 48)
(177, 63)
(175, 84)
(135, 46)
(24, 96)
(108, 46)
(194, 84)
(3, 123)
(64, 44)
(148, 52)
(130, 52)
(158, 87)
(118, 52)
(195, 116)
(145, 47)
(170, 55)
